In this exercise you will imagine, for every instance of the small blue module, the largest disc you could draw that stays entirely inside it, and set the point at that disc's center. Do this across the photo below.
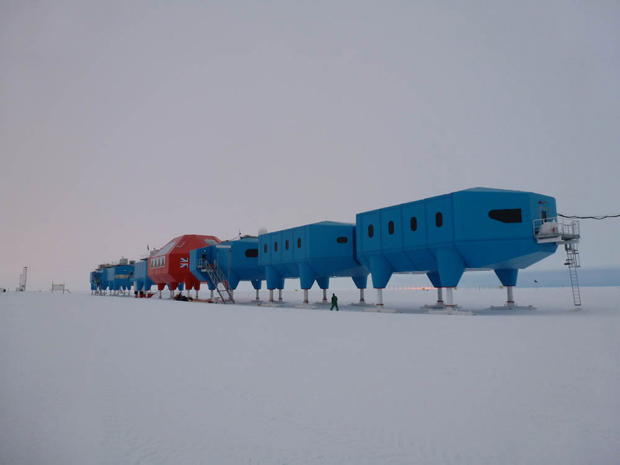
(313, 252)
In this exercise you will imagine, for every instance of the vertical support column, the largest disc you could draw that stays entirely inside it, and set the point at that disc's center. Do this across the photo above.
(324, 295)
(160, 294)
(379, 297)
(510, 301)
(449, 300)
(306, 295)
(270, 295)
(440, 303)
(362, 296)
(171, 294)
(280, 295)
(211, 298)
(257, 297)
(232, 294)
(196, 294)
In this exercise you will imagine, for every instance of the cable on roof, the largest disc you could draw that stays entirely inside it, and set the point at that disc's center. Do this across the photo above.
(601, 217)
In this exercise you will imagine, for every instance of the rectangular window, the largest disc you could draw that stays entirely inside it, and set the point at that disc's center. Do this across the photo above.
(509, 215)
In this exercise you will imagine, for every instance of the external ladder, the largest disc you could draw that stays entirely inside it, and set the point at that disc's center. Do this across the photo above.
(572, 261)
(218, 278)
(555, 230)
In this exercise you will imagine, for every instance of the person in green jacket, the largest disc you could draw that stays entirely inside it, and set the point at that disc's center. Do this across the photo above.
(334, 302)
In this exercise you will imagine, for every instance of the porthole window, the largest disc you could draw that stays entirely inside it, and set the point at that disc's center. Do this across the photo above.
(275, 247)
(286, 245)
(414, 223)
(265, 248)
(251, 253)
(299, 243)
(371, 230)
(439, 219)
(509, 215)
(342, 240)
(391, 227)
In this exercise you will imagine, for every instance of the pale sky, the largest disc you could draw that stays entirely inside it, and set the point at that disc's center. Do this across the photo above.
(127, 123)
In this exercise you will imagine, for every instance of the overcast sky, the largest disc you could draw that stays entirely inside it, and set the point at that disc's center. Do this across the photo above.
(127, 123)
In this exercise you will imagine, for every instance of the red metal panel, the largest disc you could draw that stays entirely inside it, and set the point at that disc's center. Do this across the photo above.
(175, 257)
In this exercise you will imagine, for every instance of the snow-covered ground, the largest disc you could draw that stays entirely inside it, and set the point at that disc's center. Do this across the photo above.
(112, 380)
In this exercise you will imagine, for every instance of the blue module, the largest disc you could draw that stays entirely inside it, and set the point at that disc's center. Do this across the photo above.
(238, 261)
(118, 278)
(141, 281)
(444, 236)
(314, 252)
(103, 279)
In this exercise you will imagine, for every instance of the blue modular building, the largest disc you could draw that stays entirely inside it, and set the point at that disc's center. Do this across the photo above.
(313, 252)
(116, 277)
(229, 263)
(141, 281)
(443, 236)
(103, 279)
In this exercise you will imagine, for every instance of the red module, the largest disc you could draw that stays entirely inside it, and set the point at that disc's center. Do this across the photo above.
(170, 264)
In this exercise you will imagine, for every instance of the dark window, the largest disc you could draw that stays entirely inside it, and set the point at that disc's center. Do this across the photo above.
(439, 219)
(251, 253)
(371, 230)
(275, 247)
(265, 248)
(414, 223)
(342, 240)
(299, 243)
(544, 215)
(391, 227)
(509, 215)
(286, 244)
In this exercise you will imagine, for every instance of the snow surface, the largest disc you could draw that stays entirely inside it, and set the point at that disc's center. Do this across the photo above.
(112, 380)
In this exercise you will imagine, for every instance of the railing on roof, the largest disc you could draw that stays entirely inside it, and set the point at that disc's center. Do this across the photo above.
(556, 230)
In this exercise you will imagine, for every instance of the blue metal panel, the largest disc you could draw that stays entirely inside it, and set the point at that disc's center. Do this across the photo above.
(391, 228)
(141, 280)
(365, 223)
(415, 236)
(275, 248)
(439, 208)
(122, 276)
(472, 218)
(95, 280)
(288, 246)
(300, 243)
(237, 264)
(197, 256)
(109, 278)
(264, 257)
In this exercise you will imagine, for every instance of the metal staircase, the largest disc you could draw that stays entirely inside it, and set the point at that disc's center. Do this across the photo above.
(555, 230)
(218, 278)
